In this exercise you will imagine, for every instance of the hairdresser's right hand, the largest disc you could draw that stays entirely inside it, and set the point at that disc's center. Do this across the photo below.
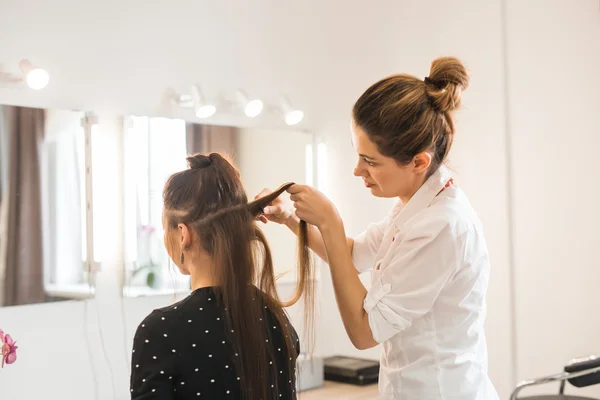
(281, 210)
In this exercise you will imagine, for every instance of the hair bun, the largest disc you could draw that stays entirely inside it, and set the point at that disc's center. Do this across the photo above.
(447, 80)
(198, 161)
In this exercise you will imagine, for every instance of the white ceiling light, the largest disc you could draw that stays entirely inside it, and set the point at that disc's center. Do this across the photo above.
(291, 115)
(202, 108)
(36, 78)
(252, 108)
(294, 117)
(205, 111)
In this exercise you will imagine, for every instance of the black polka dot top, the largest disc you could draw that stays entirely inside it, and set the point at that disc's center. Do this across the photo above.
(181, 352)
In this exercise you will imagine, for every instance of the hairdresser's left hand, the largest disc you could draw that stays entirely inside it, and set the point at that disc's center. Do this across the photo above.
(313, 207)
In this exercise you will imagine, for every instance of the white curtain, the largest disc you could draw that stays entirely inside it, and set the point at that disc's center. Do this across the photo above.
(64, 191)
(3, 197)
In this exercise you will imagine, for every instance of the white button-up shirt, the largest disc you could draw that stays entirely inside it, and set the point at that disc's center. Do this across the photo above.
(430, 271)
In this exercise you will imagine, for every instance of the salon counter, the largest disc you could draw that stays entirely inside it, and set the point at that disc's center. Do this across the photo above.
(334, 390)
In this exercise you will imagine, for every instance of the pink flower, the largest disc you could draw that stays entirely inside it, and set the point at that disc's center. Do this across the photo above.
(148, 228)
(9, 349)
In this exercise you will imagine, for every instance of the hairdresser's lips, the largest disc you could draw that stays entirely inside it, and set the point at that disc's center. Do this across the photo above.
(369, 185)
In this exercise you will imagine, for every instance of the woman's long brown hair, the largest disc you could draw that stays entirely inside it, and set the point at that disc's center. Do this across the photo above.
(209, 198)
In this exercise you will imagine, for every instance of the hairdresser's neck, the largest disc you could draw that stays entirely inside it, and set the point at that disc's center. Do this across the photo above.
(405, 197)
(418, 181)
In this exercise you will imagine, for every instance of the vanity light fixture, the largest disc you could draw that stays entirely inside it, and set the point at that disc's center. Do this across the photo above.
(202, 108)
(291, 115)
(194, 100)
(35, 77)
(252, 108)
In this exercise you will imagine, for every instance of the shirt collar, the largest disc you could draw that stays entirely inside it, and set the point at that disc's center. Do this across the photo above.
(424, 196)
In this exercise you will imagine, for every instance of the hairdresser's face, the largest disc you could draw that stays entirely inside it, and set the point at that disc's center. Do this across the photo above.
(382, 175)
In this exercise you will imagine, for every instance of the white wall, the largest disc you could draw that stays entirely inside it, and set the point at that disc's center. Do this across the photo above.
(122, 57)
(554, 55)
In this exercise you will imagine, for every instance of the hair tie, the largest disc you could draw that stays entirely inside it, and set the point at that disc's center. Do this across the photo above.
(430, 81)
(199, 161)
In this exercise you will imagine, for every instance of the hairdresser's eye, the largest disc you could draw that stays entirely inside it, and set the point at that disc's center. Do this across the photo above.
(369, 163)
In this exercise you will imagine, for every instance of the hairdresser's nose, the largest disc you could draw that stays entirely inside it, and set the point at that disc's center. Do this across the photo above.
(359, 170)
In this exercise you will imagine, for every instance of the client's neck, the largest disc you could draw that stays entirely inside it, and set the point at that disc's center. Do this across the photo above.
(199, 282)
(201, 273)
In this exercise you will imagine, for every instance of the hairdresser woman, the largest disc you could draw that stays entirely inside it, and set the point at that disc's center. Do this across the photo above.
(428, 258)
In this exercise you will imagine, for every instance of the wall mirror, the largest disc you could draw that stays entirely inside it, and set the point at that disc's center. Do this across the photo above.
(45, 254)
(155, 148)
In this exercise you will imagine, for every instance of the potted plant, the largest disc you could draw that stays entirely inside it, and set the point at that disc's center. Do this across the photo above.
(146, 266)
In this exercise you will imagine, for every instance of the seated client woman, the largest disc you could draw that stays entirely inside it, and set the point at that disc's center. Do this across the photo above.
(230, 338)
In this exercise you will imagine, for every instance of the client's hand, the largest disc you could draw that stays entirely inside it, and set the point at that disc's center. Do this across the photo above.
(280, 210)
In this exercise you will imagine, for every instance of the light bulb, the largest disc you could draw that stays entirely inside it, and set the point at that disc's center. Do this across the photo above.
(294, 117)
(37, 79)
(205, 111)
(253, 108)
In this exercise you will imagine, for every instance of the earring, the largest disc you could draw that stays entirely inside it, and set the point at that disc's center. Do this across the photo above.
(181, 258)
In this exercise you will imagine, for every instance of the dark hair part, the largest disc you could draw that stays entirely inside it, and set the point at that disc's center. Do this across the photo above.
(210, 199)
(404, 115)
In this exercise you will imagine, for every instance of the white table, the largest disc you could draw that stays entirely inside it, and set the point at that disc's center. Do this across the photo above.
(334, 390)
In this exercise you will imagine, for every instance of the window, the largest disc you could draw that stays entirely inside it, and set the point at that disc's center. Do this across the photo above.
(155, 148)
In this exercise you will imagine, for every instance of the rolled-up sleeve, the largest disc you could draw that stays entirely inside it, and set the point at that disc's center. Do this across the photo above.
(366, 245)
(410, 282)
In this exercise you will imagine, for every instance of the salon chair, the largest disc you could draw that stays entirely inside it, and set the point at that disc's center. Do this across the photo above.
(582, 372)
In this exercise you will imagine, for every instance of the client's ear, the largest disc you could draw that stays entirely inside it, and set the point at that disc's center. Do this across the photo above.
(186, 236)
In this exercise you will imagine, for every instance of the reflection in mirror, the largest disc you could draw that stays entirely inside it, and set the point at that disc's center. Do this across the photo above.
(42, 206)
(155, 148)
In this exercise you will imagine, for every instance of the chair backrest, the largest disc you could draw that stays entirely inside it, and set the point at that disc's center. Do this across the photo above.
(582, 365)
(580, 372)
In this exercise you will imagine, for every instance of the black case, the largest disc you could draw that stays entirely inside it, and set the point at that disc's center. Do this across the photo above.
(352, 370)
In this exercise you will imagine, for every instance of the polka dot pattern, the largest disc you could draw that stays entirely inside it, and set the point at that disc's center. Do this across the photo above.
(182, 351)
